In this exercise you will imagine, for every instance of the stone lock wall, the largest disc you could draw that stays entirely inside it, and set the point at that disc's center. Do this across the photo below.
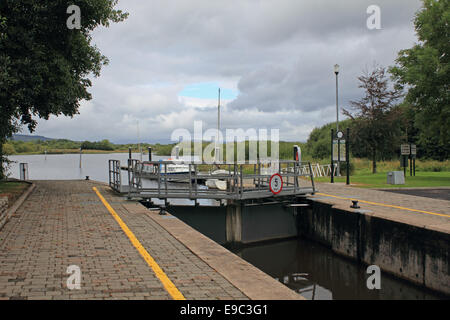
(419, 255)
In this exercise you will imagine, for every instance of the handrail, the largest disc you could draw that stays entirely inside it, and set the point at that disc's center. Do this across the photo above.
(239, 183)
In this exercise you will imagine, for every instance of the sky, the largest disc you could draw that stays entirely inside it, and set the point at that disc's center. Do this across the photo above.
(273, 61)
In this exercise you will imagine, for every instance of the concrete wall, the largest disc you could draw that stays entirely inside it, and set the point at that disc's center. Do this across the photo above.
(3, 210)
(238, 223)
(267, 222)
(417, 254)
(211, 221)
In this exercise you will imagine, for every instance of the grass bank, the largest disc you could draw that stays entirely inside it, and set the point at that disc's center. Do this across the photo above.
(378, 180)
(13, 190)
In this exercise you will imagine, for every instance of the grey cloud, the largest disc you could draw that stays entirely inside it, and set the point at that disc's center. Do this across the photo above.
(280, 55)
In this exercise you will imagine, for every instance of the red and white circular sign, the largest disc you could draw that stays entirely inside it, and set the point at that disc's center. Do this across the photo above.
(276, 183)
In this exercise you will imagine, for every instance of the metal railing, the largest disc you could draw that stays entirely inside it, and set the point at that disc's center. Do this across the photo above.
(241, 180)
(319, 170)
(115, 180)
(134, 175)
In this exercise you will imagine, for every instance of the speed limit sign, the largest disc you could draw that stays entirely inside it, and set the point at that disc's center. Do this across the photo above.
(276, 183)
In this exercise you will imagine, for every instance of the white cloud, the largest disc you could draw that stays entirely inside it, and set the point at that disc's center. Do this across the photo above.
(279, 54)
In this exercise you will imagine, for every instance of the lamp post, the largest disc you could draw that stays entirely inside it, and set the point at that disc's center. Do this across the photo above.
(336, 72)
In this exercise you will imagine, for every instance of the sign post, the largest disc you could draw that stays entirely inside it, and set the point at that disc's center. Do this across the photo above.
(405, 150)
(276, 183)
(413, 159)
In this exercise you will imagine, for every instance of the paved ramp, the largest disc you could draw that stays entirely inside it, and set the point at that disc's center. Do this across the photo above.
(64, 223)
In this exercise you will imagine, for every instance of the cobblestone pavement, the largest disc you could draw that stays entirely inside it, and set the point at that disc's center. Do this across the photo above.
(441, 208)
(434, 193)
(63, 223)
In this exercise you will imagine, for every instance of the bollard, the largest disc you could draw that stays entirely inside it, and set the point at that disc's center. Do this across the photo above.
(355, 204)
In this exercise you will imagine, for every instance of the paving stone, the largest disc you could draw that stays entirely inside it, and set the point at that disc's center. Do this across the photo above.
(64, 223)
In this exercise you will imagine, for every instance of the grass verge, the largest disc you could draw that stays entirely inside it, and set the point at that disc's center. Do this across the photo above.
(13, 190)
(421, 180)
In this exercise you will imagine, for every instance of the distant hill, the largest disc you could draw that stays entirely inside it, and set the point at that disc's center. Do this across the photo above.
(26, 138)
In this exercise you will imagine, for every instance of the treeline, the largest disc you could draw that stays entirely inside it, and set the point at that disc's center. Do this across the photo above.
(54, 146)
(12, 147)
(100, 145)
(285, 148)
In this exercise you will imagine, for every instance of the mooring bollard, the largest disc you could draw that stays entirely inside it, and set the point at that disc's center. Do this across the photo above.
(355, 205)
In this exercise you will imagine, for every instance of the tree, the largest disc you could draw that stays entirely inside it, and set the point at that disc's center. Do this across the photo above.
(425, 71)
(44, 65)
(376, 126)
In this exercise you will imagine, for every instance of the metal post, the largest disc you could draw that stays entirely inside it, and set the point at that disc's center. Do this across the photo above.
(405, 161)
(23, 168)
(347, 154)
(195, 177)
(80, 157)
(216, 151)
(336, 71)
(129, 153)
(338, 167)
(414, 164)
(190, 181)
(410, 166)
(149, 153)
(332, 164)
(165, 177)
(241, 181)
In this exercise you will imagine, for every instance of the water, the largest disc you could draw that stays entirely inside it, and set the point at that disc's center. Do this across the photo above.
(319, 274)
(67, 166)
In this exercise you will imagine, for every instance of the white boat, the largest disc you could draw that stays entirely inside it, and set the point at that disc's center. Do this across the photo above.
(217, 183)
(172, 168)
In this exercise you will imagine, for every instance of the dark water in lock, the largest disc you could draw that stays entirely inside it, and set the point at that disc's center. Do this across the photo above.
(317, 273)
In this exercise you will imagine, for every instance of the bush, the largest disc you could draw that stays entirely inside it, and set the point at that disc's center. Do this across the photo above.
(8, 149)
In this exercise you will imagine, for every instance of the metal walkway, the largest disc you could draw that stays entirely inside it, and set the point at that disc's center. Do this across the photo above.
(244, 181)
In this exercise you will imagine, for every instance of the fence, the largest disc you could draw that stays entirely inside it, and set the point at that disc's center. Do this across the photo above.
(240, 181)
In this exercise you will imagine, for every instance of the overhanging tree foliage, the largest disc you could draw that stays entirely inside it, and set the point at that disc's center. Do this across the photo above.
(44, 65)
(376, 126)
(424, 70)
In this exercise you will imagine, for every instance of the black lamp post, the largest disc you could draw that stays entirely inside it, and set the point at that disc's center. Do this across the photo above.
(336, 72)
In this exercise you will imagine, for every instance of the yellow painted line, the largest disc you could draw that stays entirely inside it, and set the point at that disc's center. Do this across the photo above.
(168, 285)
(386, 205)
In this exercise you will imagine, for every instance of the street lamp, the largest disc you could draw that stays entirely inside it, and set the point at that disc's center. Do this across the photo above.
(336, 72)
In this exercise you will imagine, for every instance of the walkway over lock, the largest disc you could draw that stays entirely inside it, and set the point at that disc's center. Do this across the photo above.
(241, 181)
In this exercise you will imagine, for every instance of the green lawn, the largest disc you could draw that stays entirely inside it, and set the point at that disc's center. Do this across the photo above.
(12, 190)
(422, 179)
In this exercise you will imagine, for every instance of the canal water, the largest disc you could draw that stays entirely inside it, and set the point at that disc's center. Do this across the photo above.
(317, 273)
(304, 266)
(67, 166)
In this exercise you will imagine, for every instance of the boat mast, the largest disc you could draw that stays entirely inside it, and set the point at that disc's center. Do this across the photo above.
(139, 142)
(218, 129)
